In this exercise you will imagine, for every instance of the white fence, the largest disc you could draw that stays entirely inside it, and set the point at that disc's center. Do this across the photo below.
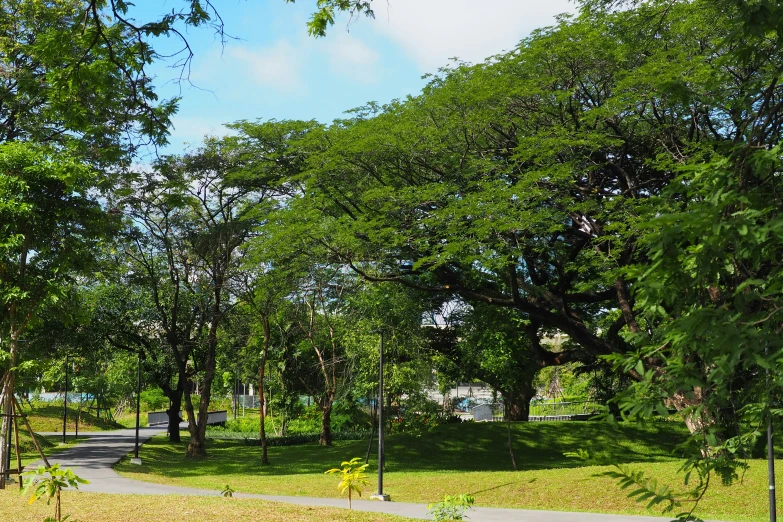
(156, 418)
(248, 401)
(216, 417)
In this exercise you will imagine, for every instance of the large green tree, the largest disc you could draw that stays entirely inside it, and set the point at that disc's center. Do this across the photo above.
(516, 183)
(51, 224)
(523, 182)
(710, 288)
(187, 222)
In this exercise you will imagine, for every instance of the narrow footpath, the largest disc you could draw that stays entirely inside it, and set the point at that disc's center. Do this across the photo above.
(94, 457)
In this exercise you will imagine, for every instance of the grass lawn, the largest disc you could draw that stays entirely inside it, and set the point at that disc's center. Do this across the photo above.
(468, 458)
(49, 417)
(134, 508)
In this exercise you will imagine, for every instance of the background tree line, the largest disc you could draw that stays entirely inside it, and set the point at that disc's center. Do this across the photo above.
(614, 179)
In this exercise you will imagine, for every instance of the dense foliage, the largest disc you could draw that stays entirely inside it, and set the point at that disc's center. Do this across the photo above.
(605, 196)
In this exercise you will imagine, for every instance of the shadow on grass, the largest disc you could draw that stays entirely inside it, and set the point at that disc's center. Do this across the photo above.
(449, 448)
(492, 488)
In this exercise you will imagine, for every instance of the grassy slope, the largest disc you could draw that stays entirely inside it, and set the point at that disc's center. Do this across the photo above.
(134, 508)
(471, 458)
(49, 417)
(49, 445)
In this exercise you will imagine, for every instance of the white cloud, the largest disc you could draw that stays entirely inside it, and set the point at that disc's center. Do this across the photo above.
(278, 66)
(432, 31)
(349, 56)
(192, 130)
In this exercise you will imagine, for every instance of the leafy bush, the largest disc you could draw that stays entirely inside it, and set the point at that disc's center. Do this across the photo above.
(419, 414)
(154, 400)
(453, 507)
(288, 440)
(346, 416)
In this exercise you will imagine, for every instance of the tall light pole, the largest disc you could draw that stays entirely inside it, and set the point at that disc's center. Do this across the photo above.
(773, 515)
(136, 459)
(381, 456)
(236, 393)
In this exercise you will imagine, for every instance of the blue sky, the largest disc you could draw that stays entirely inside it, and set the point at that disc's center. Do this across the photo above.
(275, 70)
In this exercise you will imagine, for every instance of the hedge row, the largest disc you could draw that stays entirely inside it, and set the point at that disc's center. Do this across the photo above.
(288, 440)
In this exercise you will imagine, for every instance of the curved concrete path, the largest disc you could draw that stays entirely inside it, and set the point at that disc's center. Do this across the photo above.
(93, 459)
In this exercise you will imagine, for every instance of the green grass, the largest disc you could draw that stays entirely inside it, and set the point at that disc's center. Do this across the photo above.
(455, 458)
(467, 458)
(45, 417)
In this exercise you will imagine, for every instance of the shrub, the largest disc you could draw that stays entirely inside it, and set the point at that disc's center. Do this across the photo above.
(154, 399)
(453, 507)
(288, 440)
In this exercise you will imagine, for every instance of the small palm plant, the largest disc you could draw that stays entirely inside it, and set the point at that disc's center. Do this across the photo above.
(49, 482)
(353, 477)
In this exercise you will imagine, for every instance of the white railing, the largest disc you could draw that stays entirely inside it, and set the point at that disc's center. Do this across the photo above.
(216, 417)
(156, 418)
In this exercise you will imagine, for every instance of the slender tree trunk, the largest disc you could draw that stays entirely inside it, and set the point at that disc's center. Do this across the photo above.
(326, 422)
(373, 411)
(198, 428)
(262, 414)
(7, 394)
(195, 447)
(261, 403)
(510, 445)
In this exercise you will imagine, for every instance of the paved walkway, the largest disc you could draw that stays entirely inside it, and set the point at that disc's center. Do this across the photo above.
(93, 458)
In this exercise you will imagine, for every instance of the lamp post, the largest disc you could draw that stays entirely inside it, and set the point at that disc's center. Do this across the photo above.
(381, 457)
(773, 515)
(136, 459)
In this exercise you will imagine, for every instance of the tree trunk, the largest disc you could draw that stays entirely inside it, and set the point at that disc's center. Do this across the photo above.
(173, 413)
(196, 448)
(510, 444)
(57, 511)
(695, 423)
(262, 413)
(261, 401)
(517, 404)
(196, 444)
(7, 394)
(326, 423)
(198, 426)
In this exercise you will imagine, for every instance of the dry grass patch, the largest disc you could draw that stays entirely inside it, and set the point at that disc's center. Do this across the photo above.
(97, 507)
